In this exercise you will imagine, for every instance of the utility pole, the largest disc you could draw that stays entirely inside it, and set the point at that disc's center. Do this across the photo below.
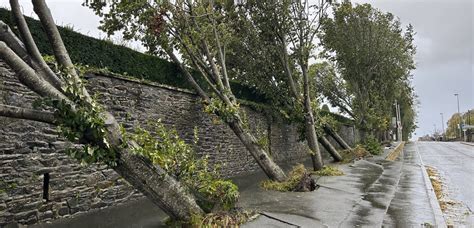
(460, 116)
(442, 126)
(398, 121)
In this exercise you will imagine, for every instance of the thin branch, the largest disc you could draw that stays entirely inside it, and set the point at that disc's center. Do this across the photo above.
(27, 114)
(221, 56)
(31, 47)
(190, 78)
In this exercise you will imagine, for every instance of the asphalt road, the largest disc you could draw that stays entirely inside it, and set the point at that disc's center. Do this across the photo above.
(455, 164)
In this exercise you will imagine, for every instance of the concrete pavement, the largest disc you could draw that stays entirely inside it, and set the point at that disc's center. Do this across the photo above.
(372, 193)
(413, 204)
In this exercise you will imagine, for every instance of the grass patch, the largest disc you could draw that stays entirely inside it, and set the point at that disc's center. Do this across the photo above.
(328, 171)
(233, 218)
(356, 153)
(298, 176)
(437, 187)
(225, 219)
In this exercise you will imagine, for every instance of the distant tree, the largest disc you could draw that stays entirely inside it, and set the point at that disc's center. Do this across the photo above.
(452, 130)
(373, 58)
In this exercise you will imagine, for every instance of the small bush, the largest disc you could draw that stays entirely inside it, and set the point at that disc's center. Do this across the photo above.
(165, 148)
(296, 178)
(329, 171)
(373, 146)
(355, 153)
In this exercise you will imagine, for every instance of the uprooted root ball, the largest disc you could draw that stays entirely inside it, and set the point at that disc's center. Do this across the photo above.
(299, 180)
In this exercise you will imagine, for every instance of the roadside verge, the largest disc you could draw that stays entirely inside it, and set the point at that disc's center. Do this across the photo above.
(438, 214)
(393, 155)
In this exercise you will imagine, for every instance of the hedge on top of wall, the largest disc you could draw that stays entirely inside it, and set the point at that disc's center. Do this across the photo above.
(98, 53)
(118, 59)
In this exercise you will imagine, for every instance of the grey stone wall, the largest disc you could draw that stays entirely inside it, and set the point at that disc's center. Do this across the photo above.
(30, 152)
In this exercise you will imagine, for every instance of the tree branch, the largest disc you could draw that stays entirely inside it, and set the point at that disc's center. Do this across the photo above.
(28, 76)
(40, 64)
(27, 114)
(221, 55)
(190, 78)
(60, 52)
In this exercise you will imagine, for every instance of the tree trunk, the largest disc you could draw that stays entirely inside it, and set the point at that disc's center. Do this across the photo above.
(271, 169)
(332, 151)
(151, 180)
(160, 188)
(337, 137)
(311, 135)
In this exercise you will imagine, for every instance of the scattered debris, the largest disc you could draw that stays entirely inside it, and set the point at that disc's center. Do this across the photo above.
(354, 154)
(299, 180)
(454, 212)
(328, 171)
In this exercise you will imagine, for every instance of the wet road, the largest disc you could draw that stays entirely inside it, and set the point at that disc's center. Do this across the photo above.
(455, 164)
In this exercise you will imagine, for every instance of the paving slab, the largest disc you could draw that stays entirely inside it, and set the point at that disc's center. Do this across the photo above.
(358, 198)
(411, 206)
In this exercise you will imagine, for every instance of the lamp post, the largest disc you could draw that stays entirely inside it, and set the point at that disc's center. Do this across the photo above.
(398, 121)
(460, 116)
(442, 126)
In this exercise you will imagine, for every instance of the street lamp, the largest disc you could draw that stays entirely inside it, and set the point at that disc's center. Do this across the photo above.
(442, 126)
(460, 116)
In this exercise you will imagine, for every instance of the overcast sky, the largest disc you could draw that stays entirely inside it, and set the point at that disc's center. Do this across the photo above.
(445, 41)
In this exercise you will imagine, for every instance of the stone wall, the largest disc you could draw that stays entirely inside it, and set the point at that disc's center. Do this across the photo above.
(32, 157)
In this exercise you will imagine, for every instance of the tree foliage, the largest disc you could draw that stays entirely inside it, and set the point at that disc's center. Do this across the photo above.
(373, 58)
(200, 33)
(165, 148)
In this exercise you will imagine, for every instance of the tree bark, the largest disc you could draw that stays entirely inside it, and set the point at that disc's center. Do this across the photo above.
(31, 47)
(337, 137)
(28, 114)
(271, 169)
(27, 75)
(56, 41)
(332, 151)
(311, 135)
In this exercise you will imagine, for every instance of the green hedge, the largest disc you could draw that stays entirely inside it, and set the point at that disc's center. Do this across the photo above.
(339, 118)
(97, 53)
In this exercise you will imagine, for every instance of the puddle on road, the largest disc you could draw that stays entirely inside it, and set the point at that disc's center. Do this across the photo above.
(455, 212)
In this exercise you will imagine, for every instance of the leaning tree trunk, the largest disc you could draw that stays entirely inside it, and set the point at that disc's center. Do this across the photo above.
(311, 135)
(328, 146)
(266, 163)
(151, 180)
(162, 189)
(271, 169)
(337, 137)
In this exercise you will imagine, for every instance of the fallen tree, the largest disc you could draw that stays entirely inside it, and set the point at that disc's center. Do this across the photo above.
(66, 103)
(199, 32)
